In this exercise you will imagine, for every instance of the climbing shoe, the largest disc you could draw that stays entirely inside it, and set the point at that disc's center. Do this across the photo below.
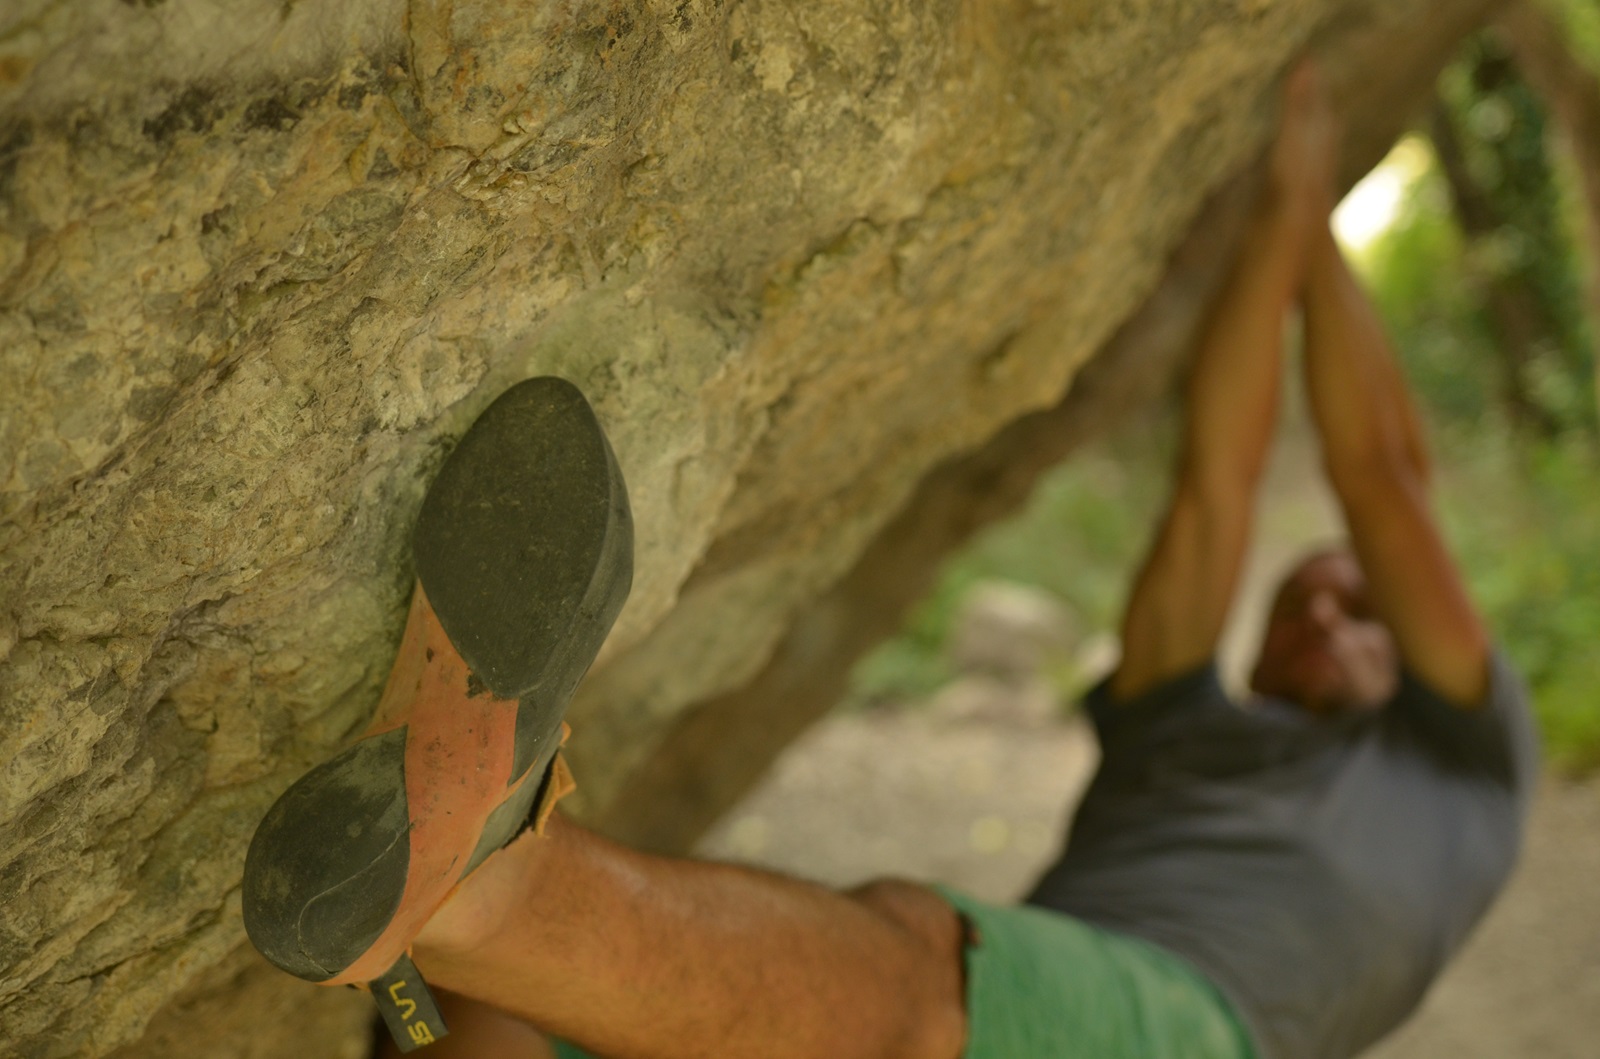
(524, 556)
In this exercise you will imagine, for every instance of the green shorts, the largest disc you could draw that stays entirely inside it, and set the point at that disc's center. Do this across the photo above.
(1042, 985)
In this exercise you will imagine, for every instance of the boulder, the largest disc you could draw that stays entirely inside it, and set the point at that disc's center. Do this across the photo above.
(839, 278)
(1010, 631)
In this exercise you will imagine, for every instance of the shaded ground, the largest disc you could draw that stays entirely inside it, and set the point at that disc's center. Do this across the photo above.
(982, 804)
(977, 804)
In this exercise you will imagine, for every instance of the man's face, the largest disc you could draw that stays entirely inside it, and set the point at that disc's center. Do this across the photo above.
(1325, 649)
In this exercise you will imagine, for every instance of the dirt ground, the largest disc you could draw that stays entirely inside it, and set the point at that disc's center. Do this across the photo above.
(982, 804)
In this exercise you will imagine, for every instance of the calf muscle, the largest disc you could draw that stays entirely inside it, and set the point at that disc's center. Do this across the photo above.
(644, 957)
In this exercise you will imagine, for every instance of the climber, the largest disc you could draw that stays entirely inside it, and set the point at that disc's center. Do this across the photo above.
(1278, 879)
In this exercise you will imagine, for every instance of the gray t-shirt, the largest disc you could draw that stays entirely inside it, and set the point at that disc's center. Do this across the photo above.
(1319, 870)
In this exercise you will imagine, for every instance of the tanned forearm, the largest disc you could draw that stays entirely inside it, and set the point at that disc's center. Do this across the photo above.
(1233, 393)
(1377, 463)
(1397, 396)
(1359, 401)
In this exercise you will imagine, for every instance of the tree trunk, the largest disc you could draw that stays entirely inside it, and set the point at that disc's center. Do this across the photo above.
(1572, 93)
(1516, 319)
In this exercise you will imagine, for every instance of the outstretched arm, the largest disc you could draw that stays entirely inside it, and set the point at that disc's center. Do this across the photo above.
(1181, 598)
(1378, 466)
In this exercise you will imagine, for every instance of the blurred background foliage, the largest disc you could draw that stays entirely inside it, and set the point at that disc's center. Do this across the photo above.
(1479, 265)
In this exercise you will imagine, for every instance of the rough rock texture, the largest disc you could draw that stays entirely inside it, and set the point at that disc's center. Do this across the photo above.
(260, 261)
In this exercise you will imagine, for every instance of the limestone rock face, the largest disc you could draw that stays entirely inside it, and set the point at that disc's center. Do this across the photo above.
(261, 261)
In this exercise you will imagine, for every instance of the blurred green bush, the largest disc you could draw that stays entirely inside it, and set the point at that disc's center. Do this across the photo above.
(1525, 523)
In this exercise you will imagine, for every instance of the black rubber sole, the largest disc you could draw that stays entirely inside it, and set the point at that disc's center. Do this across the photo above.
(328, 862)
(524, 547)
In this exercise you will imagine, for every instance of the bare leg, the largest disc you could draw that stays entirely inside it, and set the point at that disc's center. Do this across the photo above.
(636, 956)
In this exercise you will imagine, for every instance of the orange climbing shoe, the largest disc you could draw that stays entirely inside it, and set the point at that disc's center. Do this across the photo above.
(524, 556)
